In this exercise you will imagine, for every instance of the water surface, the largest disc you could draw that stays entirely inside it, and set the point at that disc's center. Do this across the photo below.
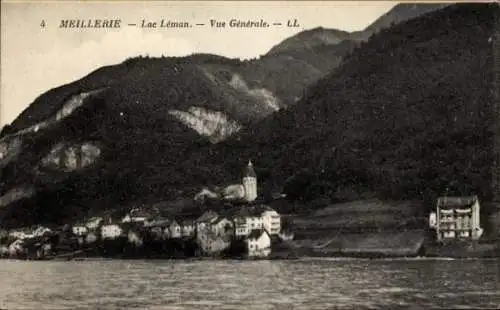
(299, 284)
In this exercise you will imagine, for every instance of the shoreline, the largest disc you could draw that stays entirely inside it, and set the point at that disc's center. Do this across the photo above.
(301, 258)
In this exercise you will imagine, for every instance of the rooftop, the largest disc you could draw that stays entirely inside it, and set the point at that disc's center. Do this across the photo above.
(456, 202)
(255, 234)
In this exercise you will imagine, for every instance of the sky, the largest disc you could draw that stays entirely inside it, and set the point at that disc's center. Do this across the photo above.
(35, 59)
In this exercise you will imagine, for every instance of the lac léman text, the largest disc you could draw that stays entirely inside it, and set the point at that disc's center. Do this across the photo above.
(164, 23)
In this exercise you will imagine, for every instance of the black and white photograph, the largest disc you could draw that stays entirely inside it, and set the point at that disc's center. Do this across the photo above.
(287, 155)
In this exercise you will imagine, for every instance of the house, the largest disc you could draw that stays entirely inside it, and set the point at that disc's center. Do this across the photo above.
(214, 245)
(258, 244)
(111, 231)
(222, 227)
(240, 227)
(188, 228)
(79, 230)
(239, 218)
(174, 230)
(457, 218)
(205, 220)
(271, 221)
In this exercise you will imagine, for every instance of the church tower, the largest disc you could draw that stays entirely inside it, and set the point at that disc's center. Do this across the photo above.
(250, 183)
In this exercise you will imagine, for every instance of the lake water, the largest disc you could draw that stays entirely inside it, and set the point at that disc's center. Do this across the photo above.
(299, 284)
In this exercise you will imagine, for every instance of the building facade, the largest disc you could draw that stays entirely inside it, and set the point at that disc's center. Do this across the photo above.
(188, 228)
(271, 221)
(457, 218)
(175, 230)
(258, 244)
(80, 230)
(111, 231)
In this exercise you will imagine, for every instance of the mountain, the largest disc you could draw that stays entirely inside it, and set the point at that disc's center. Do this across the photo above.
(150, 129)
(320, 50)
(407, 115)
(399, 13)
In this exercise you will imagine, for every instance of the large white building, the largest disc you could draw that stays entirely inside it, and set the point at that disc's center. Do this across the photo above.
(456, 218)
(256, 217)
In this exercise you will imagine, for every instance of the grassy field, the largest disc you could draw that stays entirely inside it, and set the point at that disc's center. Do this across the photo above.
(360, 216)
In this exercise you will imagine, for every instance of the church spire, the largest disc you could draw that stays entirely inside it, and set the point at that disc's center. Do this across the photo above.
(250, 182)
(249, 172)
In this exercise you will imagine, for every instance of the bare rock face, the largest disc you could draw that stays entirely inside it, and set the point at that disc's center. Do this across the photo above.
(16, 194)
(214, 125)
(71, 157)
(9, 149)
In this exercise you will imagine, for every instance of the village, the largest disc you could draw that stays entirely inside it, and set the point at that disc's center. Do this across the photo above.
(249, 230)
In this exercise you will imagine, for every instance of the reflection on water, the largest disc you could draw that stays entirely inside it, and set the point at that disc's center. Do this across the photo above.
(300, 284)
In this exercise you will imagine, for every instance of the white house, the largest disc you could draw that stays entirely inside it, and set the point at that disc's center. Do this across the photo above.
(111, 231)
(254, 222)
(258, 244)
(256, 218)
(80, 230)
(240, 227)
(458, 218)
(271, 221)
(174, 230)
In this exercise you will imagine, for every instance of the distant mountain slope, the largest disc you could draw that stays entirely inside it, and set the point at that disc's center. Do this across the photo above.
(399, 13)
(406, 115)
(321, 50)
(309, 39)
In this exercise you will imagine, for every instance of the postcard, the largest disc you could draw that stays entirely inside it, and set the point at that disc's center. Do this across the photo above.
(249, 155)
